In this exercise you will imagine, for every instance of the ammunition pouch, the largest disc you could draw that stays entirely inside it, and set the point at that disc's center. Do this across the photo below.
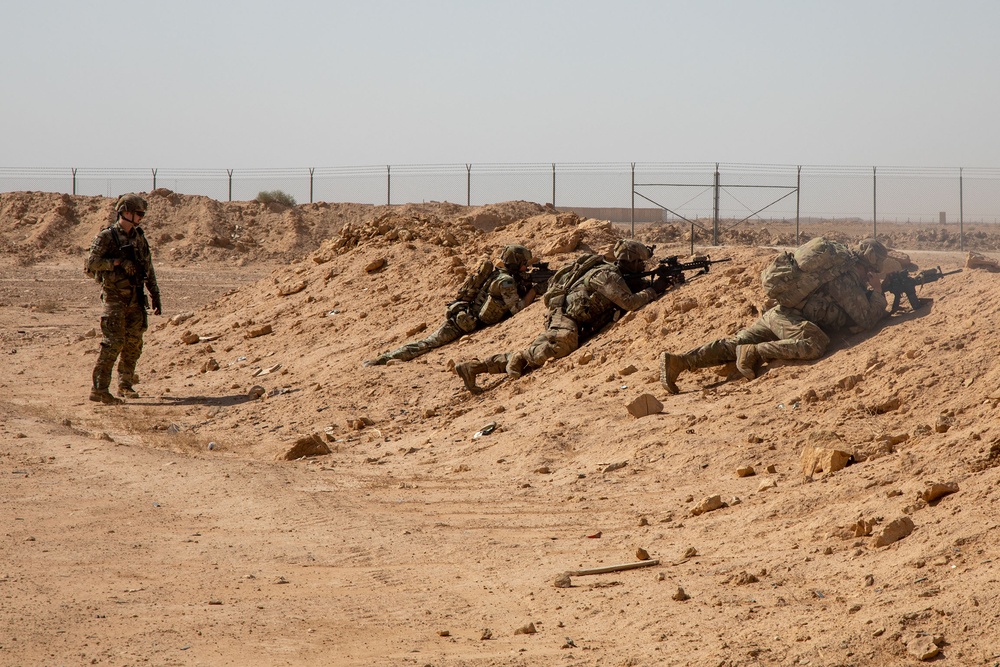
(459, 315)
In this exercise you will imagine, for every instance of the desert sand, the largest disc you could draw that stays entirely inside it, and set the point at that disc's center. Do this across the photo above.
(837, 512)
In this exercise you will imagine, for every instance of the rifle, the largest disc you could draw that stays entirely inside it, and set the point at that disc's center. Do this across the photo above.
(901, 282)
(539, 275)
(138, 277)
(673, 270)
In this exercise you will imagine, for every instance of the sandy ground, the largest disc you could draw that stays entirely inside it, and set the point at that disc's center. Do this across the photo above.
(171, 531)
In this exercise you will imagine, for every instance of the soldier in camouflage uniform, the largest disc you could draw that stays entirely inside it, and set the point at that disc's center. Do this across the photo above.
(590, 303)
(120, 260)
(853, 302)
(505, 291)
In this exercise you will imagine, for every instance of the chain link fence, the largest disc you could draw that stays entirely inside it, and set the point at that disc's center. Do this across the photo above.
(714, 200)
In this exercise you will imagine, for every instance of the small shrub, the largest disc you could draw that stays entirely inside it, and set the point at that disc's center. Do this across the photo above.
(275, 197)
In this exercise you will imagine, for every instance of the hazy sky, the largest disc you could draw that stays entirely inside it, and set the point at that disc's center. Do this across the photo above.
(313, 83)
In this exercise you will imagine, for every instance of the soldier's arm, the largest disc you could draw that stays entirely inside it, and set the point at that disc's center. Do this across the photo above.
(611, 284)
(866, 308)
(507, 288)
(98, 259)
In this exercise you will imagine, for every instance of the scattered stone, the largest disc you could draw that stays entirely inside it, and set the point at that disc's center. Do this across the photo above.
(210, 365)
(690, 552)
(528, 629)
(922, 648)
(709, 504)
(359, 423)
(936, 491)
(685, 305)
(563, 581)
(415, 330)
(849, 382)
(822, 459)
(894, 440)
(615, 466)
(680, 595)
(772, 469)
(745, 471)
(256, 391)
(179, 318)
(585, 358)
(294, 288)
(266, 371)
(543, 470)
(645, 405)
(307, 445)
(942, 424)
(643, 521)
(641, 554)
(444, 633)
(256, 332)
(975, 260)
(767, 483)
(190, 338)
(628, 370)
(743, 578)
(486, 634)
(376, 265)
(895, 531)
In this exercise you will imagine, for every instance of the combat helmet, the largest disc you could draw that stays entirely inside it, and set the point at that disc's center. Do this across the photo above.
(873, 252)
(515, 256)
(629, 251)
(131, 203)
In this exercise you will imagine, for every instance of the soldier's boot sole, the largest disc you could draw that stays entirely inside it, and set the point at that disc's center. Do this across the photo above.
(747, 360)
(104, 396)
(468, 373)
(671, 366)
(128, 392)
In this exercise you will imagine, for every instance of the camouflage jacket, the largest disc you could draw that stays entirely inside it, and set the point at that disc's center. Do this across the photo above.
(498, 298)
(110, 244)
(846, 303)
(602, 289)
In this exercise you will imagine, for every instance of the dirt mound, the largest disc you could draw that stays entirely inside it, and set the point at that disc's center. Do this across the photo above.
(832, 512)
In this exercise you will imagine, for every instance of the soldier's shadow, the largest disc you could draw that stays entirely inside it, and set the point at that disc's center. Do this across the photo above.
(219, 401)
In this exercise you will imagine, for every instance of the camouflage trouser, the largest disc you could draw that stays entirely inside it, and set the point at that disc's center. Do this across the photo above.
(780, 333)
(122, 326)
(446, 333)
(559, 339)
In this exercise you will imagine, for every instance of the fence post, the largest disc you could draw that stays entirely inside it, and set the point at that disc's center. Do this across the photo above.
(553, 185)
(230, 172)
(74, 179)
(388, 186)
(632, 214)
(874, 203)
(311, 170)
(154, 178)
(798, 201)
(961, 213)
(715, 215)
(468, 184)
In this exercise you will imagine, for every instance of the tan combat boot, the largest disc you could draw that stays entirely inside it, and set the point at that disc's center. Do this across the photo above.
(104, 396)
(671, 366)
(126, 391)
(468, 370)
(747, 360)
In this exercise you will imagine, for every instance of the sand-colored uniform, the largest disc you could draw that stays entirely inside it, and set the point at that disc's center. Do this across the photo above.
(123, 320)
(588, 306)
(843, 304)
(500, 297)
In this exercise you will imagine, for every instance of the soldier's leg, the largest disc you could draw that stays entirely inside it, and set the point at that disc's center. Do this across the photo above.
(559, 339)
(721, 351)
(468, 370)
(135, 327)
(446, 333)
(113, 338)
(795, 337)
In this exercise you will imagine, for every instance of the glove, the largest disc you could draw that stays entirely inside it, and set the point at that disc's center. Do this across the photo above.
(661, 284)
(154, 298)
(128, 266)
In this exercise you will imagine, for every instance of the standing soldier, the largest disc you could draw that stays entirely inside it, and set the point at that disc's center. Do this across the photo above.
(490, 295)
(120, 260)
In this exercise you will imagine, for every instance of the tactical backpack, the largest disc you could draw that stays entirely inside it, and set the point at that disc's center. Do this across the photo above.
(474, 282)
(568, 276)
(792, 276)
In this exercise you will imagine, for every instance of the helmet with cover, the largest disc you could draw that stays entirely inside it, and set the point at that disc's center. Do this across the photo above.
(873, 252)
(631, 255)
(131, 203)
(515, 256)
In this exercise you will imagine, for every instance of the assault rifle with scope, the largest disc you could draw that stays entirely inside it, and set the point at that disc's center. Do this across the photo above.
(901, 282)
(673, 270)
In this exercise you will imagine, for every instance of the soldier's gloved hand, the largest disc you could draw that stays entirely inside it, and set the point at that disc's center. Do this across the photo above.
(128, 266)
(661, 284)
(154, 299)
